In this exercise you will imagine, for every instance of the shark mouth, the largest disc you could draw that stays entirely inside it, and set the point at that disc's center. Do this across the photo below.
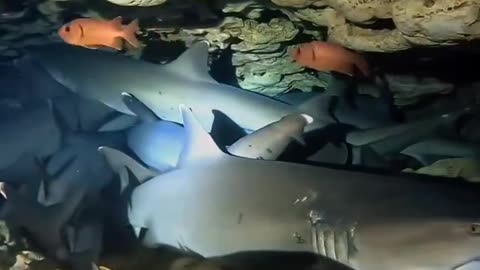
(334, 242)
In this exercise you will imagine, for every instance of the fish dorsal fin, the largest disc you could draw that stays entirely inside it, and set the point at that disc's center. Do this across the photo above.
(117, 23)
(199, 145)
(118, 160)
(193, 63)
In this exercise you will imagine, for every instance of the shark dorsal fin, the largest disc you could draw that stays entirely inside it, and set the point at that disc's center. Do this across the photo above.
(118, 160)
(193, 63)
(199, 145)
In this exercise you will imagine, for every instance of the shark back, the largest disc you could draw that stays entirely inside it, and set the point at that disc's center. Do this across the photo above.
(105, 75)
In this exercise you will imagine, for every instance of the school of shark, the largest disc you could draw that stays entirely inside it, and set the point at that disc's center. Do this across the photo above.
(97, 145)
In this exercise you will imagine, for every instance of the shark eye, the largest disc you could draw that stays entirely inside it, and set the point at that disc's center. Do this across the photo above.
(67, 28)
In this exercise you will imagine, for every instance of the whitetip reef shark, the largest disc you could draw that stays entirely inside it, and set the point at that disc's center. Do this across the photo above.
(215, 204)
(103, 76)
(268, 142)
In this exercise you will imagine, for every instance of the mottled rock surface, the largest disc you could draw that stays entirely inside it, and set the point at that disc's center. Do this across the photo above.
(141, 3)
(417, 23)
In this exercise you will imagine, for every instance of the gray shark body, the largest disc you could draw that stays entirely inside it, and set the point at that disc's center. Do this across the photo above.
(104, 76)
(216, 204)
(24, 133)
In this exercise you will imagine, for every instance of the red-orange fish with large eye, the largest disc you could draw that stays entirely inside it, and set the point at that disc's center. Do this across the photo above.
(94, 33)
(324, 56)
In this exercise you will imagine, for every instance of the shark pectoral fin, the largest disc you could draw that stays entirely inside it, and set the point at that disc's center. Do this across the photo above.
(119, 122)
(117, 160)
(193, 63)
(124, 179)
(300, 140)
(138, 108)
(129, 183)
(199, 145)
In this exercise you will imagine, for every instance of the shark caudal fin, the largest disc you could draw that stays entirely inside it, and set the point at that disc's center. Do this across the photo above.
(199, 145)
(117, 122)
(43, 223)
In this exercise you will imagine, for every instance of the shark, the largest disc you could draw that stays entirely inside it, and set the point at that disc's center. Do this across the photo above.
(17, 140)
(103, 76)
(53, 229)
(153, 133)
(216, 204)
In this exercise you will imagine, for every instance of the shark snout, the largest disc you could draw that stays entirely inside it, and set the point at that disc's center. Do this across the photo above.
(307, 118)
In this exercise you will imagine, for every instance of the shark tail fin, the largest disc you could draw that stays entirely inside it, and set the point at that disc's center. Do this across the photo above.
(118, 160)
(45, 217)
(61, 213)
(61, 122)
(118, 121)
(129, 33)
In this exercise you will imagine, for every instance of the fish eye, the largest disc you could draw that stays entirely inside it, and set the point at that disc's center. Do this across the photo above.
(67, 28)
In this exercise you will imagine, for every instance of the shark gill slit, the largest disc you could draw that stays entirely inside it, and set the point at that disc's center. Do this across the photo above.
(333, 243)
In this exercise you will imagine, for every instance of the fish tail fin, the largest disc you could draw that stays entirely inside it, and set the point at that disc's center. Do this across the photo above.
(129, 33)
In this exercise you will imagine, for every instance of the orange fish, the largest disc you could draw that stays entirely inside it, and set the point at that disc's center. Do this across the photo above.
(323, 56)
(93, 33)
